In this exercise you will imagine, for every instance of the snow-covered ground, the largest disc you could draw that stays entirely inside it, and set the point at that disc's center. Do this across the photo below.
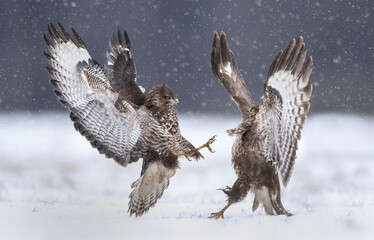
(53, 185)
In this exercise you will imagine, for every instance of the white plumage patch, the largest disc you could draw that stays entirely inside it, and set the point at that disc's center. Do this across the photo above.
(227, 69)
(68, 55)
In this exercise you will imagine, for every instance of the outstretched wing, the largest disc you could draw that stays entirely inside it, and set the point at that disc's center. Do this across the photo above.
(120, 69)
(285, 106)
(81, 86)
(226, 70)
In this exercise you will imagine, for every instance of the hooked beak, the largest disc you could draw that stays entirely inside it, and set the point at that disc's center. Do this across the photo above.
(173, 101)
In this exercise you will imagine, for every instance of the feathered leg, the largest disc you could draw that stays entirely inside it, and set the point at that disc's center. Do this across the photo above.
(235, 194)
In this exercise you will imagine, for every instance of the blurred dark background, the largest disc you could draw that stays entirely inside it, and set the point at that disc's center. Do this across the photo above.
(171, 42)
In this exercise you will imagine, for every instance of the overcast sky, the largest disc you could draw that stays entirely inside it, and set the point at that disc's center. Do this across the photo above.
(171, 43)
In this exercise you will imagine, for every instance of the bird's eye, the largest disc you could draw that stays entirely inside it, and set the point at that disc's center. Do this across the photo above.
(168, 98)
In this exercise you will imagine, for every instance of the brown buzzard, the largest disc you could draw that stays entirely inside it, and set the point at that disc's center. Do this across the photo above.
(110, 109)
(267, 138)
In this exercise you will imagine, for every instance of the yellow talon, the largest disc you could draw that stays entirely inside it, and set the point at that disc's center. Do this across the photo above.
(217, 215)
(208, 143)
(220, 213)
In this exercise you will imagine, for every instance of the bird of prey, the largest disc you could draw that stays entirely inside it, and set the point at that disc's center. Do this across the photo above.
(112, 111)
(268, 135)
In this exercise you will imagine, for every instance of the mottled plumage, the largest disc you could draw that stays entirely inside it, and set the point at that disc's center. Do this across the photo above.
(113, 113)
(267, 138)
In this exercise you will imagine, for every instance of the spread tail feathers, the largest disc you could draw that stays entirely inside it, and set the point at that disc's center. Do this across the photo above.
(149, 188)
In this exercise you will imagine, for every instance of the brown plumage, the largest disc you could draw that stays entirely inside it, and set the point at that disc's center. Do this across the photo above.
(110, 109)
(267, 138)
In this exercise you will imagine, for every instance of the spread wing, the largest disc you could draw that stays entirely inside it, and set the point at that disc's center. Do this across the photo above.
(81, 86)
(285, 106)
(226, 70)
(120, 69)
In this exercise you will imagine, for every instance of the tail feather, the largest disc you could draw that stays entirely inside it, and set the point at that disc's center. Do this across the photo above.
(262, 196)
(149, 188)
(255, 205)
(277, 203)
(270, 198)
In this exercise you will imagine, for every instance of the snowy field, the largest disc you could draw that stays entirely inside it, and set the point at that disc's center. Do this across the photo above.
(53, 185)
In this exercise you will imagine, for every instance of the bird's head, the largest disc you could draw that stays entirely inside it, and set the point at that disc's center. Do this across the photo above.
(162, 95)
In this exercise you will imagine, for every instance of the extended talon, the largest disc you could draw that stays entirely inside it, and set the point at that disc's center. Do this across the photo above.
(217, 215)
(186, 152)
(208, 143)
(226, 190)
(220, 213)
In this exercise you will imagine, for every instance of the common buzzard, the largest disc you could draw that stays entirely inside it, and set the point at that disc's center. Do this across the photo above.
(110, 109)
(267, 138)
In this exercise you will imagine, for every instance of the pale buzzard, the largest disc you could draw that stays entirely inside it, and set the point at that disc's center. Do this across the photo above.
(267, 138)
(109, 108)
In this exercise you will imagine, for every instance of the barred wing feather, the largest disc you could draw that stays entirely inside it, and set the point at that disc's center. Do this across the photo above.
(82, 87)
(285, 106)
